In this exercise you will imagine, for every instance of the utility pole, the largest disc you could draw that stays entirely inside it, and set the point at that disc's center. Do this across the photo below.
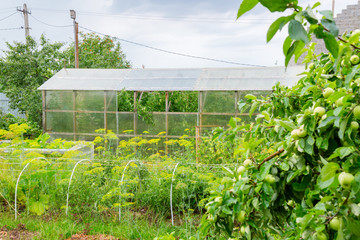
(76, 39)
(26, 19)
(333, 7)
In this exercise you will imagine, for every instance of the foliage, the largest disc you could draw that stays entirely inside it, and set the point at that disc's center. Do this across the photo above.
(24, 67)
(303, 23)
(8, 119)
(98, 52)
(300, 177)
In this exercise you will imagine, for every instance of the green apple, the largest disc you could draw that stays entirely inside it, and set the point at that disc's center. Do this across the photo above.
(354, 59)
(357, 82)
(335, 223)
(311, 66)
(308, 111)
(354, 125)
(270, 179)
(302, 133)
(328, 92)
(248, 163)
(345, 179)
(295, 133)
(339, 102)
(242, 230)
(240, 170)
(319, 111)
(241, 216)
(354, 37)
(356, 111)
(320, 236)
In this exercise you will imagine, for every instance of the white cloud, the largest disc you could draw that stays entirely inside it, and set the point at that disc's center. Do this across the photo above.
(241, 41)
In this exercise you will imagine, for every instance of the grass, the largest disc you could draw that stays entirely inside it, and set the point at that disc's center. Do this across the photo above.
(132, 226)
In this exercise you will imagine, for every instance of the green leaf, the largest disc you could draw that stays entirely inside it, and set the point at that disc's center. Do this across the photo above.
(250, 96)
(310, 16)
(354, 227)
(342, 128)
(327, 122)
(298, 32)
(291, 52)
(327, 14)
(316, 5)
(253, 108)
(246, 6)
(276, 6)
(232, 123)
(331, 26)
(265, 169)
(243, 107)
(342, 152)
(277, 25)
(331, 44)
(355, 209)
(287, 44)
(287, 125)
(349, 77)
(328, 171)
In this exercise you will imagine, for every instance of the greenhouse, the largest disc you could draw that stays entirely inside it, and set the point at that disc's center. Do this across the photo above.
(151, 102)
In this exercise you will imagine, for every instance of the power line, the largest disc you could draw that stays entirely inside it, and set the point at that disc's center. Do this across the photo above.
(168, 18)
(50, 25)
(5, 29)
(171, 52)
(8, 16)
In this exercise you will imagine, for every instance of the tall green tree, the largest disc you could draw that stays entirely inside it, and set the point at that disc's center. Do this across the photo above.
(25, 66)
(299, 176)
(98, 52)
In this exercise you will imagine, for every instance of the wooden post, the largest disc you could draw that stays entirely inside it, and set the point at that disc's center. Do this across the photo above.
(166, 121)
(44, 110)
(74, 114)
(26, 20)
(76, 40)
(105, 110)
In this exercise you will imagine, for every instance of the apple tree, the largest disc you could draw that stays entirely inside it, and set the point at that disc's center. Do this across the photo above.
(299, 172)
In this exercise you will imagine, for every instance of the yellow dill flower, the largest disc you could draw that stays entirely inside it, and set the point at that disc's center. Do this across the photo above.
(98, 140)
(100, 130)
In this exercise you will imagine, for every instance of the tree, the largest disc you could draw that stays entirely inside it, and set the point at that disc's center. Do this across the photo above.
(300, 171)
(97, 52)
(26, 66)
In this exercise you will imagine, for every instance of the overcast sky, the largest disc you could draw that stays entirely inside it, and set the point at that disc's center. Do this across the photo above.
(204, 28)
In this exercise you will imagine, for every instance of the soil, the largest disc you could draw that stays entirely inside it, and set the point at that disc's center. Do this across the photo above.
(18, 233)
(92, 237)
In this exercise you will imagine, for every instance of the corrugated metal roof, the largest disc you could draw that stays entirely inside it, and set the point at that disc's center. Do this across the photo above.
(200, 79)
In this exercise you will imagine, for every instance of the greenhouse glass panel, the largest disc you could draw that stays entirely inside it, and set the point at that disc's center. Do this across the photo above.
(59, 122)
(89, 100)
(89, 122)
(182, 124)
(59, 100)
(68, 137)
(125, 123)
(125, 101)
(85, 137)
(152, 125)
(217, 120)
(218, 102)
(111, 101)
(183, 101)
